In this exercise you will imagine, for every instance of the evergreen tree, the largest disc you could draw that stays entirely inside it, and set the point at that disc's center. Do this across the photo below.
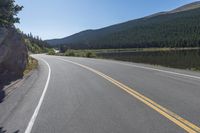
(8, 12)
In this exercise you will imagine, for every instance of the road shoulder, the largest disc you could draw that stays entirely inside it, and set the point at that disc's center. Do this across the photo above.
(19, 104)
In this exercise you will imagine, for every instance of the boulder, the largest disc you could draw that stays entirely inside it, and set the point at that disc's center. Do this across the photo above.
(13, 55)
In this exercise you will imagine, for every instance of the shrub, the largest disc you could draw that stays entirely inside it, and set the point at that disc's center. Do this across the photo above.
(90, 54)
(51, 52)
(71, 53)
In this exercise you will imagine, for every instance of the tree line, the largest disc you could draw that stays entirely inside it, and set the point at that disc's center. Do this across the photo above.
(170, 30)
(36, 39)
(35, 44)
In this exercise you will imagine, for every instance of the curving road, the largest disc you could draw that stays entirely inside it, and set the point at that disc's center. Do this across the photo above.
(80, 95)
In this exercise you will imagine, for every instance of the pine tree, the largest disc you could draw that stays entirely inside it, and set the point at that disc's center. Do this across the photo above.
(8, 12)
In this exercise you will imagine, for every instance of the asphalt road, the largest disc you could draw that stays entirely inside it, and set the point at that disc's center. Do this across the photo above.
(79, 95)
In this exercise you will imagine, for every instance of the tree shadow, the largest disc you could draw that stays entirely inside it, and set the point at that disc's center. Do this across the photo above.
(2, 95)
(4, 131)
(16, 131)
(6, 79)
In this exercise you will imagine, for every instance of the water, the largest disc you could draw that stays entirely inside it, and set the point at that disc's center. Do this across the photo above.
(183, 59)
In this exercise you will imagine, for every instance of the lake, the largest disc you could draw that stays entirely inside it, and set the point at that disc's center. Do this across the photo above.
(183, 59)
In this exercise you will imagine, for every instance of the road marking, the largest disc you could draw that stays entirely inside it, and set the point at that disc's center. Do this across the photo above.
(159, 70)
(153, 69)
(33, 118)
(181, 122)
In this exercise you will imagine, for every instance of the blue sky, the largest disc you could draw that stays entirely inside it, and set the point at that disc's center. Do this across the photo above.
(60, 18)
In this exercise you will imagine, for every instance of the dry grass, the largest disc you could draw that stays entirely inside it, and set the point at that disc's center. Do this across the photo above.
(32, 64)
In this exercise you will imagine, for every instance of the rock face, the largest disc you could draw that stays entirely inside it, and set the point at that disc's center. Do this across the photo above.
(13, 55)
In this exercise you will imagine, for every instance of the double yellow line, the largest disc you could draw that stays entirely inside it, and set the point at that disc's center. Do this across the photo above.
(186, 125)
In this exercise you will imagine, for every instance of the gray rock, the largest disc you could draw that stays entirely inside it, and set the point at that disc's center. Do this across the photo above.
(13, 54)
(3, 34)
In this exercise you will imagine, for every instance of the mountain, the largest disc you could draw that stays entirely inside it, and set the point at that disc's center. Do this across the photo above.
(187, 7)
(177, 28)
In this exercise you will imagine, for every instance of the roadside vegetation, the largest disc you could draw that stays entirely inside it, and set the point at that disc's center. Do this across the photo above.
(35, 44)
(31, 65)
(34, 47)
(96, 51)
(51, 52)
(78, 53)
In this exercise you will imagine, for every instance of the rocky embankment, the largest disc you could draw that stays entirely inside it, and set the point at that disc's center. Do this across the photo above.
(13, 56)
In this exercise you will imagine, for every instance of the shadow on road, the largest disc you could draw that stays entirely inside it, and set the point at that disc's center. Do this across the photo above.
(2, 95)
(6, 80)
(4, 131)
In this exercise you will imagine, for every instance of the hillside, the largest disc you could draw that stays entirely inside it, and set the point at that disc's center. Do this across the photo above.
(176, 28)
(35, 45)
(187, 7)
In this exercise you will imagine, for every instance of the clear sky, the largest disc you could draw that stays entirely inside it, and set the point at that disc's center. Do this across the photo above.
(60, 18)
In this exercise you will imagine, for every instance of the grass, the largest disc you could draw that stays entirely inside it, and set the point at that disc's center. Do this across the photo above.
(92, 53)
(32, 64)
(95, 51)
(79, 53)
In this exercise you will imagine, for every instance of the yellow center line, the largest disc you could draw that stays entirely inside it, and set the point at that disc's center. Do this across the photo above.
(181, 122)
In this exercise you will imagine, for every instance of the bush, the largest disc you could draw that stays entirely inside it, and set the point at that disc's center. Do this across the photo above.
(31, 65)
(90, 54)
(80, 53)
(71, 53)
(51, 52)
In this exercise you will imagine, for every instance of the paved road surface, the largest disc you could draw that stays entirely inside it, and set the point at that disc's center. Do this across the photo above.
(79, 95)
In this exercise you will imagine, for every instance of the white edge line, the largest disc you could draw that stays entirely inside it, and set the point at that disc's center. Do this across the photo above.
(33, 118)
(163, 71)
(154, 69)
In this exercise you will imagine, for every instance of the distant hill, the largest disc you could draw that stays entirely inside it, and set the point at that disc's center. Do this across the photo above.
(187, 7)
(176, 28)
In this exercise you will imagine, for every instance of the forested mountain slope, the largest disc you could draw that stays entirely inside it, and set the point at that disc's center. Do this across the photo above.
(177, 28)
